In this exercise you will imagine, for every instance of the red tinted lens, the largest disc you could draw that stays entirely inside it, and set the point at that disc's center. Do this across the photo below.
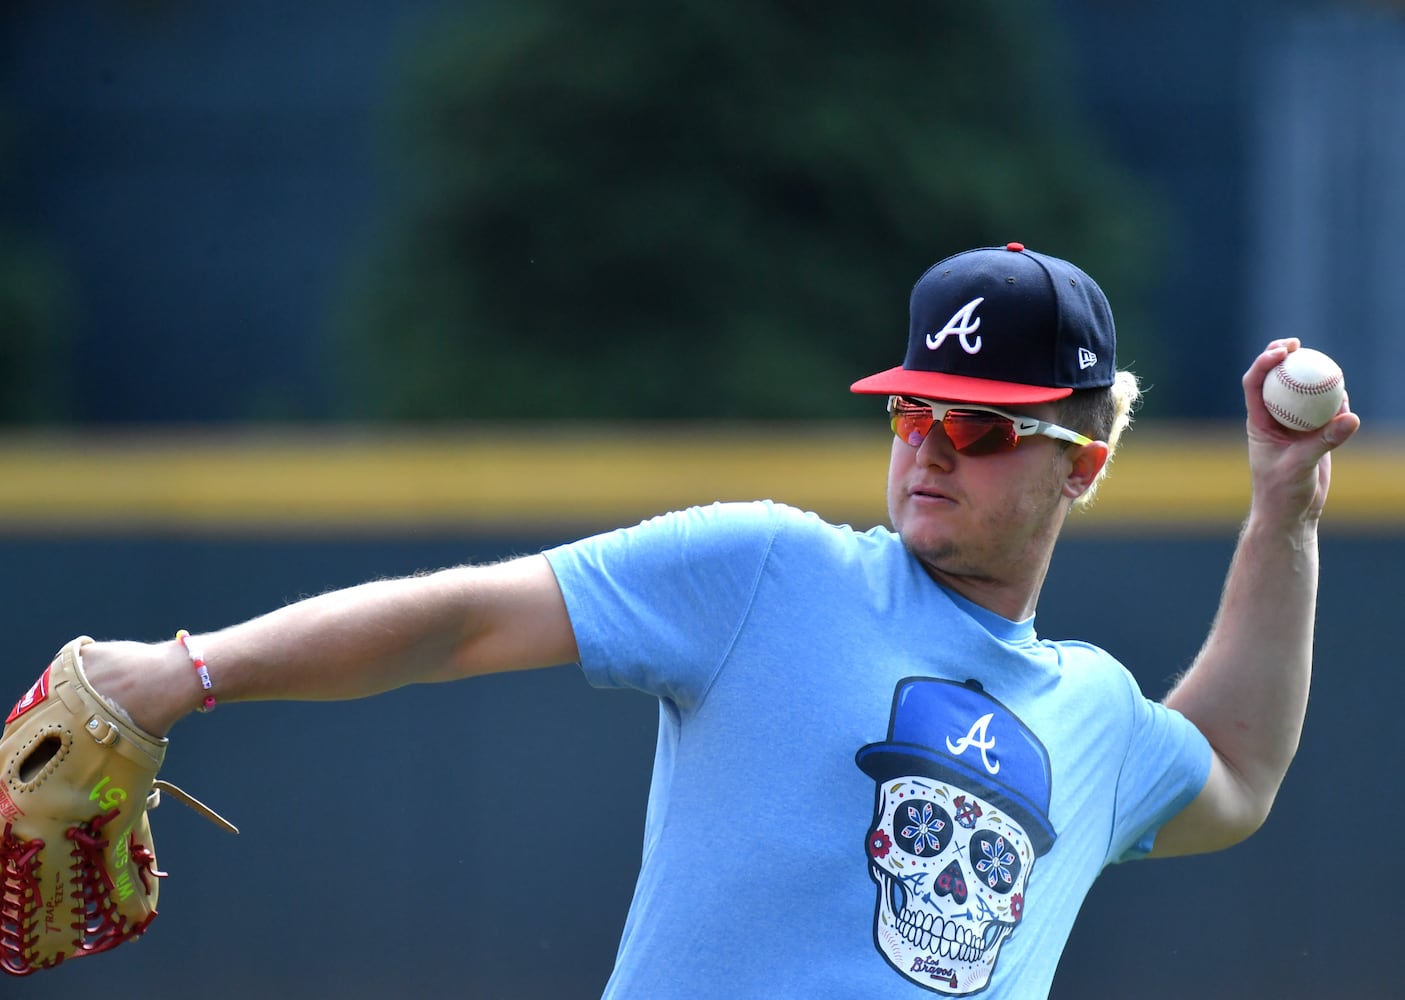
(912, 423)
(974, 432)
(971, 432)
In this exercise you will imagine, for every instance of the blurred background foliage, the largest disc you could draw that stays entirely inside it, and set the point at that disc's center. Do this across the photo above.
(709, 209)
(612, 208)
(35, 321)
(34, 326)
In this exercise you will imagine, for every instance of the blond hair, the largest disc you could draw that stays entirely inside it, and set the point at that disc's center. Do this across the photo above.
(1103, 414)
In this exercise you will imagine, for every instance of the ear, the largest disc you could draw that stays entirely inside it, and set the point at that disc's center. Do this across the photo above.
(1086, 462)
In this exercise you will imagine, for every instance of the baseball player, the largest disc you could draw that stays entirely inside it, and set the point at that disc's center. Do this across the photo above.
(888, 782)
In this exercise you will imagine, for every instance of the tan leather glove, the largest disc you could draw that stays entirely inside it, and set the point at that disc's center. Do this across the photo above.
(78, 870)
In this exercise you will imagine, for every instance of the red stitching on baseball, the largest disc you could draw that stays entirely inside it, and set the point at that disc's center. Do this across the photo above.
(1285, 417)
(1311, 388)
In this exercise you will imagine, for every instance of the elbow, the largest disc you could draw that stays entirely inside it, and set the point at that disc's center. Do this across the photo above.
(1229, 810)
(1240, 828)
(1245, 814)
(1178, 839)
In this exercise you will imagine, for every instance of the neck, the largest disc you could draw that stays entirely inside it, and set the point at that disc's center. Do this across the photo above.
(1007, 583)
(1014, 599)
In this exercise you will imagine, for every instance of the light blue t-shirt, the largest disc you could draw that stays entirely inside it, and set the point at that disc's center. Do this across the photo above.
(865, 786)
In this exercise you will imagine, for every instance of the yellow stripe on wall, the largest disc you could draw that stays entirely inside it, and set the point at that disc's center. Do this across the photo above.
(489, 479)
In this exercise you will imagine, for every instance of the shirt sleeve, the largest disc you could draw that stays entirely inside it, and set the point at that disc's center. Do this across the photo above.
(1167, 764)
(657, 606)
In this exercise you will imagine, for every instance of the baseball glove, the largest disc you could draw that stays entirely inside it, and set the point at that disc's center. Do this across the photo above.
(78, 871)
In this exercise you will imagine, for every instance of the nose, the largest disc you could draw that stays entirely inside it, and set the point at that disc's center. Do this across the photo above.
(936, 448)
(952, 882)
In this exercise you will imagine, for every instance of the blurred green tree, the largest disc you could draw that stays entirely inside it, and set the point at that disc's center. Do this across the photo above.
(35, 321)
(712, 208)
(34, 334)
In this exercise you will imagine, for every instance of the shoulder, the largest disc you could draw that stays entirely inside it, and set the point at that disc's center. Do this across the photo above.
(1082, 658)
(732, 540)
(687, 539)
(1088, 666)
(749, 519)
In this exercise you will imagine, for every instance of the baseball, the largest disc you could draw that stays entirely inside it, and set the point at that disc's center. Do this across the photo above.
(1305, 390)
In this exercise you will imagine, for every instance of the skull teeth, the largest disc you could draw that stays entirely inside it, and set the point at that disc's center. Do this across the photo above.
(940, 937)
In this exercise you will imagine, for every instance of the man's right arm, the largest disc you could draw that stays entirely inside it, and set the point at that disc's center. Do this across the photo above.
(351, 643)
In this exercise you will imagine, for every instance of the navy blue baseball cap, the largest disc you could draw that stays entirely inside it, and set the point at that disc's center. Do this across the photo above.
(1002, 325)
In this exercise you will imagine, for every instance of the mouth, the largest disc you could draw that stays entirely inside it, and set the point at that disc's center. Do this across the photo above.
(929, 932)
(928, 493)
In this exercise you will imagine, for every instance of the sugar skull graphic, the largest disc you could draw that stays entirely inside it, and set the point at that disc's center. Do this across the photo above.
(960, 817)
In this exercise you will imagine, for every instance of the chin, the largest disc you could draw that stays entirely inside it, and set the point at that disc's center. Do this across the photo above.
(936, 553)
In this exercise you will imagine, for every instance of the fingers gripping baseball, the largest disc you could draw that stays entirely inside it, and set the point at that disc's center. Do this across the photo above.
(1298, 412)
(78, 872)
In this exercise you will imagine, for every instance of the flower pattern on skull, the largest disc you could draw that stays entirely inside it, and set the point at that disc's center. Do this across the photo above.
(927, 829)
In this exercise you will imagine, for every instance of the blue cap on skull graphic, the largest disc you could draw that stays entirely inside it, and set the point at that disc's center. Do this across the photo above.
(959, 734)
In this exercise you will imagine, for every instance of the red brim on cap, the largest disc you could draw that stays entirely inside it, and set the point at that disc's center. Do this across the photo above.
(955, 388)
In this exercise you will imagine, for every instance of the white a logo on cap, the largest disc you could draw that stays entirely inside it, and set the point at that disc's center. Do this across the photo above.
(977, 739)
(1086, 358)
(963, 323)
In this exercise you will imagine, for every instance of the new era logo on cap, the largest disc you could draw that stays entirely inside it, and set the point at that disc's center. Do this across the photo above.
(1045, 331)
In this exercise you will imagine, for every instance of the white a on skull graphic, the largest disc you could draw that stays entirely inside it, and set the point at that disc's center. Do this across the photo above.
(960, 817)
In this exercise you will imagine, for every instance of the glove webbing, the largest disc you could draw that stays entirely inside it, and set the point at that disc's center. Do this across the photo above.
(101, 926)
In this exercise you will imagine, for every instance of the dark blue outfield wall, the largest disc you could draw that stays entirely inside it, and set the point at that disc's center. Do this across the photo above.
(480, 839)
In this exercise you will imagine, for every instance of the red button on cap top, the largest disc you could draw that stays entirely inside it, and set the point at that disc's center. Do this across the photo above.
(1016, 247)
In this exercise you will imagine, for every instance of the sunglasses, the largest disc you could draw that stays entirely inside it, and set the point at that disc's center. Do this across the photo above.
(972, 429)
